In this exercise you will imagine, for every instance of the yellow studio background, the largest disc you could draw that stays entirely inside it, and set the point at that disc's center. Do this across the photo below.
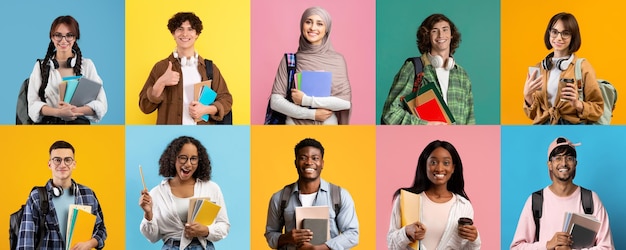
(523, 27)
(99, 165)
(349, 161)
(225, 39)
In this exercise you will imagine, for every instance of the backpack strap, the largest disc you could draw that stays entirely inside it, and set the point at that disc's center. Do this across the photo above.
(290, 60)
(209, 68)
(419, 68)
(586, 199)
(285, 195)
(44, 205)
(335, 197)
(537, 205)
(284, 198)
(578, 74)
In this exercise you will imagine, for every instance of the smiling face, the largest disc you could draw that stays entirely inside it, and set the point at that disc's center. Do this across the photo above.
(185, 37)
(186, 162)
(560, 39)
(67, 38)
(61, 163)
(439, 166)
(314, 29)
(309, 163)
(440, 37)
(562, 167)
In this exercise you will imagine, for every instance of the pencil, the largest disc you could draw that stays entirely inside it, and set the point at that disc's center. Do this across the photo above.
(142, 180)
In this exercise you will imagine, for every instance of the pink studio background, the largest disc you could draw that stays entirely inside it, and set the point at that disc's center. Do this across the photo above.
(397, 150)
(275, 31)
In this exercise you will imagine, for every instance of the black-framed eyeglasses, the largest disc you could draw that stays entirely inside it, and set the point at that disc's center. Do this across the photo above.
(564, 34)
(566, 158)
(68, 37)
(67, 160)
(182, 159)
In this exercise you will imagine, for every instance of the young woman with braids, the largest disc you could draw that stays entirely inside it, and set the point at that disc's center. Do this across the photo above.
(63, 59)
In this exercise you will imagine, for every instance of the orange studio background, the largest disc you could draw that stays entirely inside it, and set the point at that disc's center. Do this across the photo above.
(99, 154)
(225, 39)
(523, 27)
(349, 161)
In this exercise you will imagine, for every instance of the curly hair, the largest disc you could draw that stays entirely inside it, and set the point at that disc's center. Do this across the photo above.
(421, 183)
(423, 33)
(179, 18)
(309, 142)
(167, 162)
(72, 24)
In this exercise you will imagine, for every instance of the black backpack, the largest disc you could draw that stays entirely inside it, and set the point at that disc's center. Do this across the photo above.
(335, 197)
(537, 205)
(419, 67)
(16, 219)
(274, 117)
(228, 117)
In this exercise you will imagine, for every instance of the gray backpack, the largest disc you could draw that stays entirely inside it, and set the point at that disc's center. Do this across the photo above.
(609, 94)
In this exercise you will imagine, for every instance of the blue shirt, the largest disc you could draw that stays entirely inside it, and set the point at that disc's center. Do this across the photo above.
(53, 240)
(62, 205)
(344, 229)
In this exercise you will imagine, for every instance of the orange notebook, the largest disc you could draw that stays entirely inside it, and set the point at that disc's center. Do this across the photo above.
(410, 210)
(80, 226)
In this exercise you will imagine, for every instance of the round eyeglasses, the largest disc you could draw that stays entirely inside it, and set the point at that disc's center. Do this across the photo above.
(68, 37)
(182, 159)
(564, 34)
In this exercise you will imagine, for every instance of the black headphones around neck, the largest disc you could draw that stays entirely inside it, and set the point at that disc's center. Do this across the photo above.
(58, 191)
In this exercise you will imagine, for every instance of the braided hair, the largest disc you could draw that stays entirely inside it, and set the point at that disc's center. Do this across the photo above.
(45, 66)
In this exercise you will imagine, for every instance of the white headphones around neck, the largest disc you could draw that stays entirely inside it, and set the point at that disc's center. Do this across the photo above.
(58, 191)
(562, 63)
(437, 61)
(184, 61)
(70, 63)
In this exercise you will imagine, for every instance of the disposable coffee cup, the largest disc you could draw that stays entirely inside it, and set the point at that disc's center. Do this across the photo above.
(465, 221)
(562, 84)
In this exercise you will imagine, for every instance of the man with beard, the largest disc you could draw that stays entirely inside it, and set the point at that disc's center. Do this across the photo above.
(311, 190)
(558, 198)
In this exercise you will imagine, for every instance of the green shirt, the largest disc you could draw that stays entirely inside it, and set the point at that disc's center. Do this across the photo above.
(460, 98)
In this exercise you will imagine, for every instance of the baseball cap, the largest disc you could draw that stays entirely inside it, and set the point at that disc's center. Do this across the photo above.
(560, 141)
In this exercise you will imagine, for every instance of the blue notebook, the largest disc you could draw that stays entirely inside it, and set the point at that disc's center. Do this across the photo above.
(207, 96)
(316, 83)
(72, 83)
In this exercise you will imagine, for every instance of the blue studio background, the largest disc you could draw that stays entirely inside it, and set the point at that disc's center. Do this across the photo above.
(600, 168)
(229, 152)
(27, 27)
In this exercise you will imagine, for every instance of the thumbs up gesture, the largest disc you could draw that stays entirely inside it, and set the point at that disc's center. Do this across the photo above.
(170, 77)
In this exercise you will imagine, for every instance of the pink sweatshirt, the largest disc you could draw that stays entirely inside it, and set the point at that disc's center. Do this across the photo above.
(554, 208)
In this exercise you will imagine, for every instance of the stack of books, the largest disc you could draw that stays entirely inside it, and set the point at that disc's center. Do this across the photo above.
(204, 94)
(582, 227)
(78, 91)
(202, 210)
(316, 219)
(314, 83)
(80, 224)
(428, 104)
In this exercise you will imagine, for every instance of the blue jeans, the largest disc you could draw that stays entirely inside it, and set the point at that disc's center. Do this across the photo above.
(173, 244)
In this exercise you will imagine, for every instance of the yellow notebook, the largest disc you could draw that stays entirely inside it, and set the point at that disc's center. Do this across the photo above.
(202, 210)
(80, 226)
(410, 209)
